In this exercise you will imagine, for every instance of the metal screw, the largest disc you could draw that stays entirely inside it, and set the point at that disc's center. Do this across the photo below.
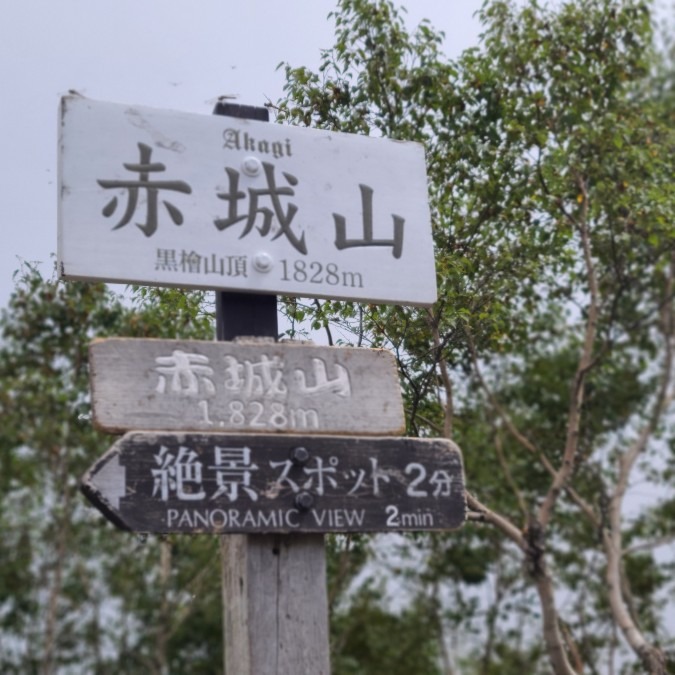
(251, 166)
(304, 501)
(262, 261)
(299, 456)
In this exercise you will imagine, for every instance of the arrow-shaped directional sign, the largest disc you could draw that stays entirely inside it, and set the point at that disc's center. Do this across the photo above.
(240, 483)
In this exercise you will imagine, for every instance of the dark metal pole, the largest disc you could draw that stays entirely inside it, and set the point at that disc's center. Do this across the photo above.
(240, 314)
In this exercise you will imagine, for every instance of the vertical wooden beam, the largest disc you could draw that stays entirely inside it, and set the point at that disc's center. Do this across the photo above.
(275, 605)
(276, 612)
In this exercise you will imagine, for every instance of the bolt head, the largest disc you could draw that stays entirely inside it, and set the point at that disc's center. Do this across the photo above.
(299, 456)
(251, 166)
(304, 501)
(262, 261)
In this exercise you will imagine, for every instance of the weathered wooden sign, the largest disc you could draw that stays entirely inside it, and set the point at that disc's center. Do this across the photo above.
(175, 199)
(225, 483)
(246, 386)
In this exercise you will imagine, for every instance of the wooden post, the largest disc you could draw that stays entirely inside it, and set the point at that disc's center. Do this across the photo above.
(275, 606)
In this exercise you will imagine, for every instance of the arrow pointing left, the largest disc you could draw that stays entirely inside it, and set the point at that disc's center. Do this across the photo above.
(105, 484)
(220, 483)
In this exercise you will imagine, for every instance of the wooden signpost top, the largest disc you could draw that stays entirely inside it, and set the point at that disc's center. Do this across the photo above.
(245, 386)
(231, 483)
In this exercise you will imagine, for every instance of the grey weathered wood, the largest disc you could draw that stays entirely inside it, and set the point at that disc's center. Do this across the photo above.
(248, 386)
(218, 483)
(275, 594)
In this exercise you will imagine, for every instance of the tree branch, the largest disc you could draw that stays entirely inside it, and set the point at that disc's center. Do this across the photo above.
(652, 657)
(508, 476)
(564, 473)
(522, 439)
(445, 375)
(648, 545)
(531, 542)
(483, 514)
(329, 335)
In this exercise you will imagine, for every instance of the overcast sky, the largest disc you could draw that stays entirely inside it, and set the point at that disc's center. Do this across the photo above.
(175, 54)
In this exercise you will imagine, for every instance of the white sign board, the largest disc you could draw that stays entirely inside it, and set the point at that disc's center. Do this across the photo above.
(197, 201)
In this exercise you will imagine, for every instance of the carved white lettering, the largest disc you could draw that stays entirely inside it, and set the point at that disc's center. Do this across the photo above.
(249, 520)
(354, 517)
(219, 519)
(409, 520)
(294, 522)
(276, 415)
(185, 520)
(319, 516)
(267, 519)
(337, 385)
(338, 517)
(201, 519)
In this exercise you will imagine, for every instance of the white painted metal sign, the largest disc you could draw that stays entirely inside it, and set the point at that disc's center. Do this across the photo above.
(175, 199)
(245, 386)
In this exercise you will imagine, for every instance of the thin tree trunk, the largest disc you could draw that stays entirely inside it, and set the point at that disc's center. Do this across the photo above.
(577, 394)
(532, 544)
(48, 664)
(651, 656)
(164, 622)
(62, 525)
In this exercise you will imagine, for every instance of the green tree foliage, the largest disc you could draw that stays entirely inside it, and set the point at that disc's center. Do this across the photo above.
(76, 595)
(370, 640)
(548, 356)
